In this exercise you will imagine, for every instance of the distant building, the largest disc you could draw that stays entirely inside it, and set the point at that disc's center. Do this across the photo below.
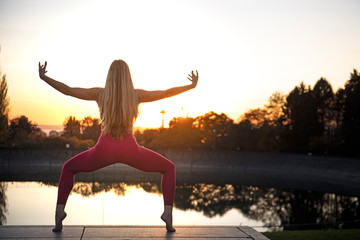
(37, 136)
(42, 134)
(54, 133)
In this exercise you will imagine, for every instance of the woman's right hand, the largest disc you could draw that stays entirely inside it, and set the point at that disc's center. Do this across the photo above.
(194, 78)
(42, 70)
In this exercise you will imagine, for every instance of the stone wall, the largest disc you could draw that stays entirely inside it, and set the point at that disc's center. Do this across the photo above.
(296, 171)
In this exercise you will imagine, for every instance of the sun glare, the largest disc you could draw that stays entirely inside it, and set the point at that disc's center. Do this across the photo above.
(103, 208)
(110, 209)
(244, 52)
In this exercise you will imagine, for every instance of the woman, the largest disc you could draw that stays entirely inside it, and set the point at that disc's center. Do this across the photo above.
(118, 103)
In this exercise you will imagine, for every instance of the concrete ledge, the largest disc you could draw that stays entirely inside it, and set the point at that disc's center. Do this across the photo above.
(280, 170)
(38, 232)
(130, 232)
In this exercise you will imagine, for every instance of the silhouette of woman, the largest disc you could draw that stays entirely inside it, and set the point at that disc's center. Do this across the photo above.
(118, 103)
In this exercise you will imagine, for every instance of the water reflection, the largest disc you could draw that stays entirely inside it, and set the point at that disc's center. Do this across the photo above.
(88, 189)
(273, 207)
(3, 203)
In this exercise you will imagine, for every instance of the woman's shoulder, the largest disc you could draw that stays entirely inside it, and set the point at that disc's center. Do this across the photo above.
(97, 92)
(141, 93)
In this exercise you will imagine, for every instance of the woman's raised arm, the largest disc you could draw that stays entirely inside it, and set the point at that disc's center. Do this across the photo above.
(150, 96)
(81, 93)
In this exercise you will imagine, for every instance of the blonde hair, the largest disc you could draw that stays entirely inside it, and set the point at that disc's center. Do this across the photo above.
(118, 101)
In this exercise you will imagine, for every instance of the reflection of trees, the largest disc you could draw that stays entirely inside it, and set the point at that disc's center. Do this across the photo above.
(213, 200)
(93, 188)
(150, 187)
(210, 199)
(273, 207)
(3, 204)
(87, 189)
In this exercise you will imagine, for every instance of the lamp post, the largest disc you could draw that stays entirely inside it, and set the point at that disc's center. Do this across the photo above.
(163, 113)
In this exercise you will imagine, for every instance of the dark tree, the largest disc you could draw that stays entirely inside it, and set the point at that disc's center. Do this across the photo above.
(351, 117)
(214, 128)
(255, 127)
(71, 127)
(180, 122)
(278, 122)
(180, 135)
(184, 135)
(324, 101)
(90, 128)
(339, 107)
(261, 129)
(257, 117)
(4, 109)
(303, 119)
(20, 130)
(275, 109)
(242, 137)
(146, 137)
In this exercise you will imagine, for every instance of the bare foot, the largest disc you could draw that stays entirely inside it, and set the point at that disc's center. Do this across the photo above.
(59, 217)
(167, 218)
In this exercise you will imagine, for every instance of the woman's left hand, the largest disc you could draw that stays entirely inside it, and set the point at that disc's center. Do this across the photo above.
(42, 70)
(194, 78)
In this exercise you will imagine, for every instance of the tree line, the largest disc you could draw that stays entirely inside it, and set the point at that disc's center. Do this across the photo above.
(306, 120)
(76, 134)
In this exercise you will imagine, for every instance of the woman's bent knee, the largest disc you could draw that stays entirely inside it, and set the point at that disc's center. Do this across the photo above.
(172, 167)
(67, 167)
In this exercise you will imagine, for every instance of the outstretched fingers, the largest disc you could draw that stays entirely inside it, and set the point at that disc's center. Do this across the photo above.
(193, 78)
(42, 69)
(43, 66)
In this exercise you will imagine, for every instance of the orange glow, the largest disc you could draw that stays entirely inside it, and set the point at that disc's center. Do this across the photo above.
(244, 52)
(103, 208)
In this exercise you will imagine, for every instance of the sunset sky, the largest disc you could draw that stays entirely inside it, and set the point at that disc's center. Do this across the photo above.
(244, 51)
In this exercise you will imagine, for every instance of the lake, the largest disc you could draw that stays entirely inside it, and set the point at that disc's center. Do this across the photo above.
(32, 203)
(264, 191)
(94, 203)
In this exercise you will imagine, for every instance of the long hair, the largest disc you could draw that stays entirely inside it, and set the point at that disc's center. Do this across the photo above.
(118, 101)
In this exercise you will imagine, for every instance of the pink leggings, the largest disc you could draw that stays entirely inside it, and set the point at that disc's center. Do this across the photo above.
(108, 151)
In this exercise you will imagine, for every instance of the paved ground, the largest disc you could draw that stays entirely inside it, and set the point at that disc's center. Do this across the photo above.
(130, 232)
